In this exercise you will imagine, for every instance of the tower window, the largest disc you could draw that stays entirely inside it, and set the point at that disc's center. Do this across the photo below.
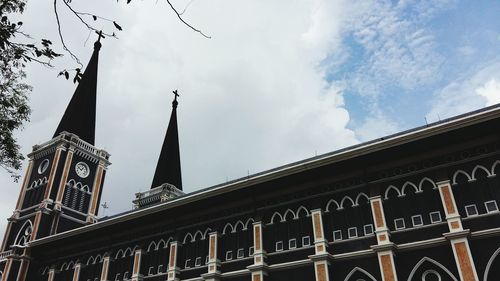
(197, 261)
(337, 235)
(417, 220)
(187, 263)
(151, 270)
(250, 251)
(306, 241)
(206, 260)
(279, 246)
(491, 206)
(160, 269)
(352, 232)
(292, 243)
(435, 217)
(117, 277)
(471, 210)
(399, 224)
(229, 255)
(241, 253)
(368, 229)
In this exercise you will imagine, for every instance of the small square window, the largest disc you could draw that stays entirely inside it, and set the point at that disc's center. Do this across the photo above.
(206, 260)
(399, 224)
(151, 270)
(292, 243)
(417, 220)
(279, 246)
(197, 261)
(471, 210)
(250, 251)
(187, 263)
(368, 229)
(435, 217)
(491, 206)
(229, 255)
(241, 253)
(306, 241)
(337, 235)
(353, 232)
(160, 269)
(125, 275)
(117, 277)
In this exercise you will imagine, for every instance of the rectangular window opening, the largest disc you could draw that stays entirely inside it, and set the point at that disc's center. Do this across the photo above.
(435, 217)
(241, 253)
(250, 251)
(368, 229)
(292, 243)
(491, 206)
(187, 263)
(337, 235)
(279, 246)
(417, 220)
(471, 210)
(306, 241)
(229, 255)
(352, 232)
(197, 261)
(399, 224)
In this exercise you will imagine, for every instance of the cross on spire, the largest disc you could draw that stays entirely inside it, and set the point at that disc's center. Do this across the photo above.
(175, 103)
(97, 44)
(99, 36)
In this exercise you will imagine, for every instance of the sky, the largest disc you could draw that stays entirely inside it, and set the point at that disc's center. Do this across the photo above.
(279, 81)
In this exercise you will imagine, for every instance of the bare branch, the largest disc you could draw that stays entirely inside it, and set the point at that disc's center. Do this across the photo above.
(187, 6)
(183, 21)
(78, 15)
(61, 36)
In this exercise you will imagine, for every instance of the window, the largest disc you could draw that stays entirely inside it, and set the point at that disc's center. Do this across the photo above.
(250, 251)
(125, 275)
(197, 261)
(241, 253)
(160, 269)
(292, 243)
(352, 232)
(150, 271)
(186, 264)
(117, 277)
(471, 210)
(435, 217)
(229, 255)
(279, 246)
(206, 260)
(417, 220)
(368, 229)
(306, 241)
(399, 224)
(337, 235)
(491, 206)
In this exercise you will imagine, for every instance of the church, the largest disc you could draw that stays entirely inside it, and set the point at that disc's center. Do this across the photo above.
(420, 205)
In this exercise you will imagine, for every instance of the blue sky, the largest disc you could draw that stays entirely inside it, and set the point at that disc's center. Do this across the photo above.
(279, 81)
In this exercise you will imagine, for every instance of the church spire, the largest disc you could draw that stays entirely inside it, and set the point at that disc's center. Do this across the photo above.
(168, 169)
(79, 117)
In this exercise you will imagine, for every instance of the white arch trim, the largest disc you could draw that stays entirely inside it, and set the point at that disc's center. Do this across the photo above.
(119, 254)
(391, 187)
(235, 229)
(343, 201)
(433, 262)
(26, 225)
(327, 208)
(152, 244)
(248, 221)
(479, 167)
(458, 172)
(186, 236)
(224, 231)
(206, 233)
(406, 184)
(354, 270)
(362, 194)
(302, 208)
(494, 166)
(288, 211)
(490, 262)
(426, 179)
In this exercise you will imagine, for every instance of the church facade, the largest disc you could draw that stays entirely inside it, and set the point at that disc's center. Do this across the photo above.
(421, 205)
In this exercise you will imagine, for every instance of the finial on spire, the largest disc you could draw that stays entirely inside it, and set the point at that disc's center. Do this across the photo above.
(175, 103)
(97, 44)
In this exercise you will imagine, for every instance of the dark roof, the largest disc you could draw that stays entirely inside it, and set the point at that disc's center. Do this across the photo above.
(79, 117)
(168, 169)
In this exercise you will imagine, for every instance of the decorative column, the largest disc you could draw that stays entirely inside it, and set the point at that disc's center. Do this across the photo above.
(105, 268)
(96, 189)
(321, 256)
(27, 177)
(457, 235)
(52, 274)
(259, 266)
(384, 247)
(213, 273)
(53, 169)
(64, 177)
(76, 273)
(23, 269)
(173, 270)
(6, 269)
(136, 271)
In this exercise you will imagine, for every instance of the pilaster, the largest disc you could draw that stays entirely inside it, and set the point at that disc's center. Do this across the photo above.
(384, 247)
(105, 268)
(23, 269)
(96, 190)
(213, 265)
(173, 270)
(27, 177)
(64, 177)
(259, 266)
(321, 256)
(52, 274)
(6, 269)
(457, 235)
(76, 273)
(136, 274)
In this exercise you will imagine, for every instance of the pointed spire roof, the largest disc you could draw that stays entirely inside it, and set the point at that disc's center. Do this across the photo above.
(79, 117)
(168, 169)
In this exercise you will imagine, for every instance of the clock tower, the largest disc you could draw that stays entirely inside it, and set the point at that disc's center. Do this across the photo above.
(63, 183)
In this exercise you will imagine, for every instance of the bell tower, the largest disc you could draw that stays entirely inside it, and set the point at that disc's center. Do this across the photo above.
(63, 183)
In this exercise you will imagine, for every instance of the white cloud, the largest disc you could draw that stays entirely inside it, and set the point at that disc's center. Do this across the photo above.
(491, 91)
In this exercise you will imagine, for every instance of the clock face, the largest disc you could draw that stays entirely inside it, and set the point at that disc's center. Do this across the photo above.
(44, 165)
(82, 170)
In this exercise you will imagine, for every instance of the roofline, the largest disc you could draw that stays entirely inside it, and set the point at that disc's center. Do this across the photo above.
(460, 121)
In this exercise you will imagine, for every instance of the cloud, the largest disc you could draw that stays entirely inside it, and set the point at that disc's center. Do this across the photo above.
(491, 91)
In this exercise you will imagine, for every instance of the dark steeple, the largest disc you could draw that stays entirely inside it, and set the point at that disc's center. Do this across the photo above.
(168, 169)
(79, 117)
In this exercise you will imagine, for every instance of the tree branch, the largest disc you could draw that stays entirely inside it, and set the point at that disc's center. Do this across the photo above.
(61, 36)
(183, 21)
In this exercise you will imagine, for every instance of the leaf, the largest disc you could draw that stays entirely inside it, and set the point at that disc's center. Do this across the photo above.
(117, 26)
(66, 74)
(20, 23)
(94, 17)
(128, 1)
